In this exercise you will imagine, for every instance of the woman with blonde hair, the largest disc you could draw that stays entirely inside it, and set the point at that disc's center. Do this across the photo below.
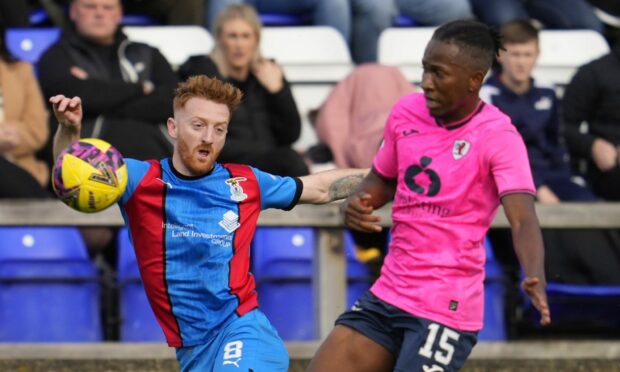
(267, 123)
(23, 128)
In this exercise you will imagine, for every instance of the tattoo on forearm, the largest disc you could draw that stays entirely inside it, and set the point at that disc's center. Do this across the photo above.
(345, 186)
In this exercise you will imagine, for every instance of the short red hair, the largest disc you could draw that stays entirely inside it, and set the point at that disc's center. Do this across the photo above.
(201, 86)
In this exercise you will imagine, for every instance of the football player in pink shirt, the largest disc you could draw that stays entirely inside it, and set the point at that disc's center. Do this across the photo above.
(448, 160)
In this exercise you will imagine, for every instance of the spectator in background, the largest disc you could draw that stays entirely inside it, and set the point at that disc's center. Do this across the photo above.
(553, 14)
(533, 109)
(125, 86)
(267, 122)
(351, 123)
(359, 21)
(23, 132)
(591, 109)
(371, 17)
(352, 118)
(435, 12)
(608, 11)
(23, 128)
(169, 12)
(15, 13)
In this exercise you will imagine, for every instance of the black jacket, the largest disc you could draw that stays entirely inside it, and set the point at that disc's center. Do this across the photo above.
(593, 96)
(262, 122)
(115, 106)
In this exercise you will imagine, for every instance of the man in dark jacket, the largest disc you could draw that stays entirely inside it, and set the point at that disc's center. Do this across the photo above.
(591, 107)
(126, 87)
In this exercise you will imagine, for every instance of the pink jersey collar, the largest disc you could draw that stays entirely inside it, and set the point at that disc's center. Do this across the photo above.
(465, 120)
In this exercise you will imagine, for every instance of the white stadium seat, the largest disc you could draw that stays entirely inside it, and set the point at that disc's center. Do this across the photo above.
(314, 59)
(176, 43)
(562, 52)
(404, 48)
(308, 54)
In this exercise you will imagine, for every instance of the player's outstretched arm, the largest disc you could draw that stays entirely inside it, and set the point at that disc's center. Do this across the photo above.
(374, 193)
(327, 186)
(68, 112)
(528, 245)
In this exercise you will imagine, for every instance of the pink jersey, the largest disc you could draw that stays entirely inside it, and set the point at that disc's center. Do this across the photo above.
(449, 183)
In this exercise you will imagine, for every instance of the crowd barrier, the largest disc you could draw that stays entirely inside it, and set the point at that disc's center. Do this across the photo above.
(329, 277)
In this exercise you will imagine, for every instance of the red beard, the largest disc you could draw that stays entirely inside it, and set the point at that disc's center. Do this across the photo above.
(195, 163)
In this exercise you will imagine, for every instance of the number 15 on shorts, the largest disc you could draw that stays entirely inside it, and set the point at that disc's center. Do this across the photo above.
(444, 351)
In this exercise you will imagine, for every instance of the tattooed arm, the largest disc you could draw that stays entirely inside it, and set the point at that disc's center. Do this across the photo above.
(324, 187)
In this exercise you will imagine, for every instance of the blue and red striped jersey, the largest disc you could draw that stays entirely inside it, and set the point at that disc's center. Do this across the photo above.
(192, 240)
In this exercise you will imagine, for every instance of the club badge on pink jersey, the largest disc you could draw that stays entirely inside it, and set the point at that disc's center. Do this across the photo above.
(460, 149)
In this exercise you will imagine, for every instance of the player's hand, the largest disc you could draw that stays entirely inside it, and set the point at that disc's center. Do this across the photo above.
(358, 213)
(604, 154)
(269, 74)
(546, 196)
(534, 288)
(68, 111)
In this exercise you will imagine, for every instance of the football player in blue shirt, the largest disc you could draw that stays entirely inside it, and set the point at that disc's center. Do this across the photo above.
(192, 219)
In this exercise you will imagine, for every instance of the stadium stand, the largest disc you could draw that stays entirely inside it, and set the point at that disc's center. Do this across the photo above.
(137, 321)
(284, 272)
(28, 44)
(494, 298)
(579, 308)
(314, 59)
(562, 52)
(282, 19)
(176, 43)
(49, 289)
(312, 54)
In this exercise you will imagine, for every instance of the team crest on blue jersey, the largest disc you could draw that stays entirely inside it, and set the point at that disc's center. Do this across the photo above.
(236, 191)
(460, 149)
(230, 221)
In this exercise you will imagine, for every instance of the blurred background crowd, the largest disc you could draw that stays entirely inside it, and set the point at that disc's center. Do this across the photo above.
(571, 129)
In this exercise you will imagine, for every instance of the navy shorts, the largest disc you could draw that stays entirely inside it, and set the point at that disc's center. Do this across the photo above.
(418, 344)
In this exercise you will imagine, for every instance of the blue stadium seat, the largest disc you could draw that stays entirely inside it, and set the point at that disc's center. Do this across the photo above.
(359, 278)
(28, 44)
(282, 267)
(49, 288)
(38, 16)
(404, 21)
(580, 307)
(138, 322)
(584, 305)
(494, 298)
(283, 19)
(139, 20)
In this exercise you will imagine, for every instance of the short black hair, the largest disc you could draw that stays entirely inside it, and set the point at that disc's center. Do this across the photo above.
(480, 42)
